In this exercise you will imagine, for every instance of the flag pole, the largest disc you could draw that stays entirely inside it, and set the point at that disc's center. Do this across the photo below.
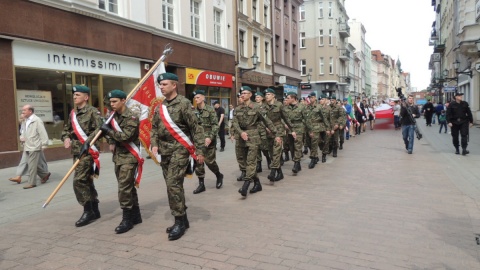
(168, 50)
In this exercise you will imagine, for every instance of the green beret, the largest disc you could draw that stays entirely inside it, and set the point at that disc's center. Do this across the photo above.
(259, 94)
(167, 76)
(312, 94)
(247, 88)
(333, 97)
(269, 90)
(81, 89)
(117, 94)
(323, 96)
(291, 94)
(198, 92)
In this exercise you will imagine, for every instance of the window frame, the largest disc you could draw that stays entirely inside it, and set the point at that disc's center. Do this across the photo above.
(303, 41)
(321, 38)
(166, 6)
(322, 66)
(217, 25)
(301, 12)
(195, 19)
(303, 67)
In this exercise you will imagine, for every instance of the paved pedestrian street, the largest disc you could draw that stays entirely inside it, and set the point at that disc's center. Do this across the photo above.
(373, 207)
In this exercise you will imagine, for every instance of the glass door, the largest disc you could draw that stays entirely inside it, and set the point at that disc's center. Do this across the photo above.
(93, 82)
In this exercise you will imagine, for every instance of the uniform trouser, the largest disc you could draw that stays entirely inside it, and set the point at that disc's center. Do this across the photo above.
(127, 193)
(335, 138)
(263, 146)
(34, 167)
(241, 156)
(275, 151)
(308, 140)
(341, 134)
(174, 167)
(463, 130)
(83, 185)
(324, 139)
(295, 146)
(315, 144)
(250, 149)
(22, 167)
(210, 161)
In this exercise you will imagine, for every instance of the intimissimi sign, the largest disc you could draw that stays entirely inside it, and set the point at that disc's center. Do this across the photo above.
(47, 56)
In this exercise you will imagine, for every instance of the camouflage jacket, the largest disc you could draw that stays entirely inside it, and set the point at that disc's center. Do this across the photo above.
(207, 118)
(317, 121)
(89, 120)
(130, 125)
(297, 115)
(181, 113)
(248, 118)
(261, 126)
(327, 116)
(337, 115)
(276, 113)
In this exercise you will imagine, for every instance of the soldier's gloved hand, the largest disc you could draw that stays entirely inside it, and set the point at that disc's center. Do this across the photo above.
(84, 149)
(105, 128)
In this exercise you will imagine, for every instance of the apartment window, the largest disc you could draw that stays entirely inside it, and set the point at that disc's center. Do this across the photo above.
(278, 52)
(286, 55)
(255, 48)
(320, 10)
(109, 5)
(266, 16)
(331, 65)
(240, 6)
(241, 35)
(302, 40)
(320, 38)
(330, 11)
(330, 37)
(294, 13)
(217, 24)
(194, 19)
(294, 56)
(303, 67)
(167, 12)
(267, 53)
(301, 11)
(322, 66)
(254, 10)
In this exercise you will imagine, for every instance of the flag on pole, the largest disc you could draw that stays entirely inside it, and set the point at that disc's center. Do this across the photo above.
(352, 111)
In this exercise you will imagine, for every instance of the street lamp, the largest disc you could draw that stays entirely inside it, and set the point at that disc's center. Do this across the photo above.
(456, 65)
(254, 62)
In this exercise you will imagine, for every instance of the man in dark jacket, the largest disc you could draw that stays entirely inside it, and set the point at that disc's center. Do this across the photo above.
(459, 118)
(428, 111)
(408, 123)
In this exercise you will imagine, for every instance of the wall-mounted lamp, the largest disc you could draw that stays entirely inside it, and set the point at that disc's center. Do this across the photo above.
(254, 61)
(456, 65)
(309, 77)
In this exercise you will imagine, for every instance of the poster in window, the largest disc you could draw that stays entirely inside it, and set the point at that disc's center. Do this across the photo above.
(41, 101)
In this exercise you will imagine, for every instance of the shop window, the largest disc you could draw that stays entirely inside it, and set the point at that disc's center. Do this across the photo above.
(111, 83)
(212, 94)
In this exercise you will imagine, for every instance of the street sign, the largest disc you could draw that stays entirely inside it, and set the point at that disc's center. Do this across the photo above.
(450, 89)
(306, 86)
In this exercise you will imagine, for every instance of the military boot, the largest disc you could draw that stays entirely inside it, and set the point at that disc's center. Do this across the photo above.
(185, 221)
(465, 151)
(305, 150)
(256, 186)
(341, 146)
(244, 188)
(178, 229)
(457, 151)
(219, 180)
(286, 156)
(240, 178)
(271, 176)
(136, 216)
(279, 175)
(316, 160)
(296, 167)
(324, 158)
(334, 152)
(87, 217)
(126, 224)
(259, 166)
(95, 209)
(201, 186)
(312, 163)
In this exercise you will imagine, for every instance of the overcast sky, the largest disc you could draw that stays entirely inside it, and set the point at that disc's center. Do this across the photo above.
(399, 28)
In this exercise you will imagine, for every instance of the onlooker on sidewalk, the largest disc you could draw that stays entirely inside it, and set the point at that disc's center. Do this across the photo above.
(428, 112)
(438, 110)
(442, 121)
(230, 118)
(221, 123)
(408, 124)
(396, 115)
(35, 138)
(459, 118)
(371, 115)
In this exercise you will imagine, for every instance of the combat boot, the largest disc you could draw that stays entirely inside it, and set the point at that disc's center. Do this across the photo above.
(279, 174)
(305, 150)
(465, 152)
(269, 160)
(334, 152)
(201, 186)
(316, 160)
(324, 158)
(271, 176)
(240, 178)
(185, 221)
(244, 188)
(259, 166)
(126, 224)
(87, 217)
(341, 146)
(178, 228)
(136, 216)
(312, 163)
(219, 180)
(457, 151)
(286, 156)
(256, 186)
(95, 209)
(296, 166)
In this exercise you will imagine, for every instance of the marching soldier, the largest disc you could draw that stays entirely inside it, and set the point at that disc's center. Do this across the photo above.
(325, 136)
(296, 115)
(122, 135)
(263, 147)
(276, 113)
(81, 127)
(459, 118)
(337, 122)
(315, 124)
(246, 118)
(176, 136)
(207, 118)
(242, 164)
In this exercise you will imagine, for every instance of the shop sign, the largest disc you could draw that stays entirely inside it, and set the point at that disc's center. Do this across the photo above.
(289, 88)
(208, 78)
(48, 56)
(41, 101)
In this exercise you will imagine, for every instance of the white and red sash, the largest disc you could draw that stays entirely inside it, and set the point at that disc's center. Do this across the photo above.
(82, 137)
(134, 150)
(176, 132)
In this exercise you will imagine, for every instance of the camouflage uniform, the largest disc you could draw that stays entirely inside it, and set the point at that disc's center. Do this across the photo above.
(296, 114)
(263, 146)
(125, 162)
(207, 118)
(308, 140)
(89, 120)
(276, 113)
(175, 157)
(324, 137)
(336, 118)
(316, 125)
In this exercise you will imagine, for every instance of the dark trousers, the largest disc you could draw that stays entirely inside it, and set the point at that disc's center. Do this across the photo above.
(221, 136)
(463, 129)
(428, 117)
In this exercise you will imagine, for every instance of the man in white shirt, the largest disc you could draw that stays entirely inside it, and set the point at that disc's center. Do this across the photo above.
(396, 115)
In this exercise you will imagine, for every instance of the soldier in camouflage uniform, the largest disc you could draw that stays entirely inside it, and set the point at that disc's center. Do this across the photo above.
(239, 151)
(207, 118)
(315, 124)
(308, 109)
(245, 122)
(263, 147)
(296, 114)
(175, 156)
(337, 118)
(326, 135)
(276, 113)
(126, 164)
(88, 119)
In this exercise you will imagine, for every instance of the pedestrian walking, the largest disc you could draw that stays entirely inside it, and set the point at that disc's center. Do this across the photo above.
(396, 115)
(221, 124)
(459, 118)
(262, 131)
(427, 110)
(297, 116)
(442, 121)
(408, 112)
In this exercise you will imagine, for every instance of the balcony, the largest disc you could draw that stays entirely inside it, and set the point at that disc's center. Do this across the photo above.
(344, 79)
(344, 30)
(344, 54)
(439, 48)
